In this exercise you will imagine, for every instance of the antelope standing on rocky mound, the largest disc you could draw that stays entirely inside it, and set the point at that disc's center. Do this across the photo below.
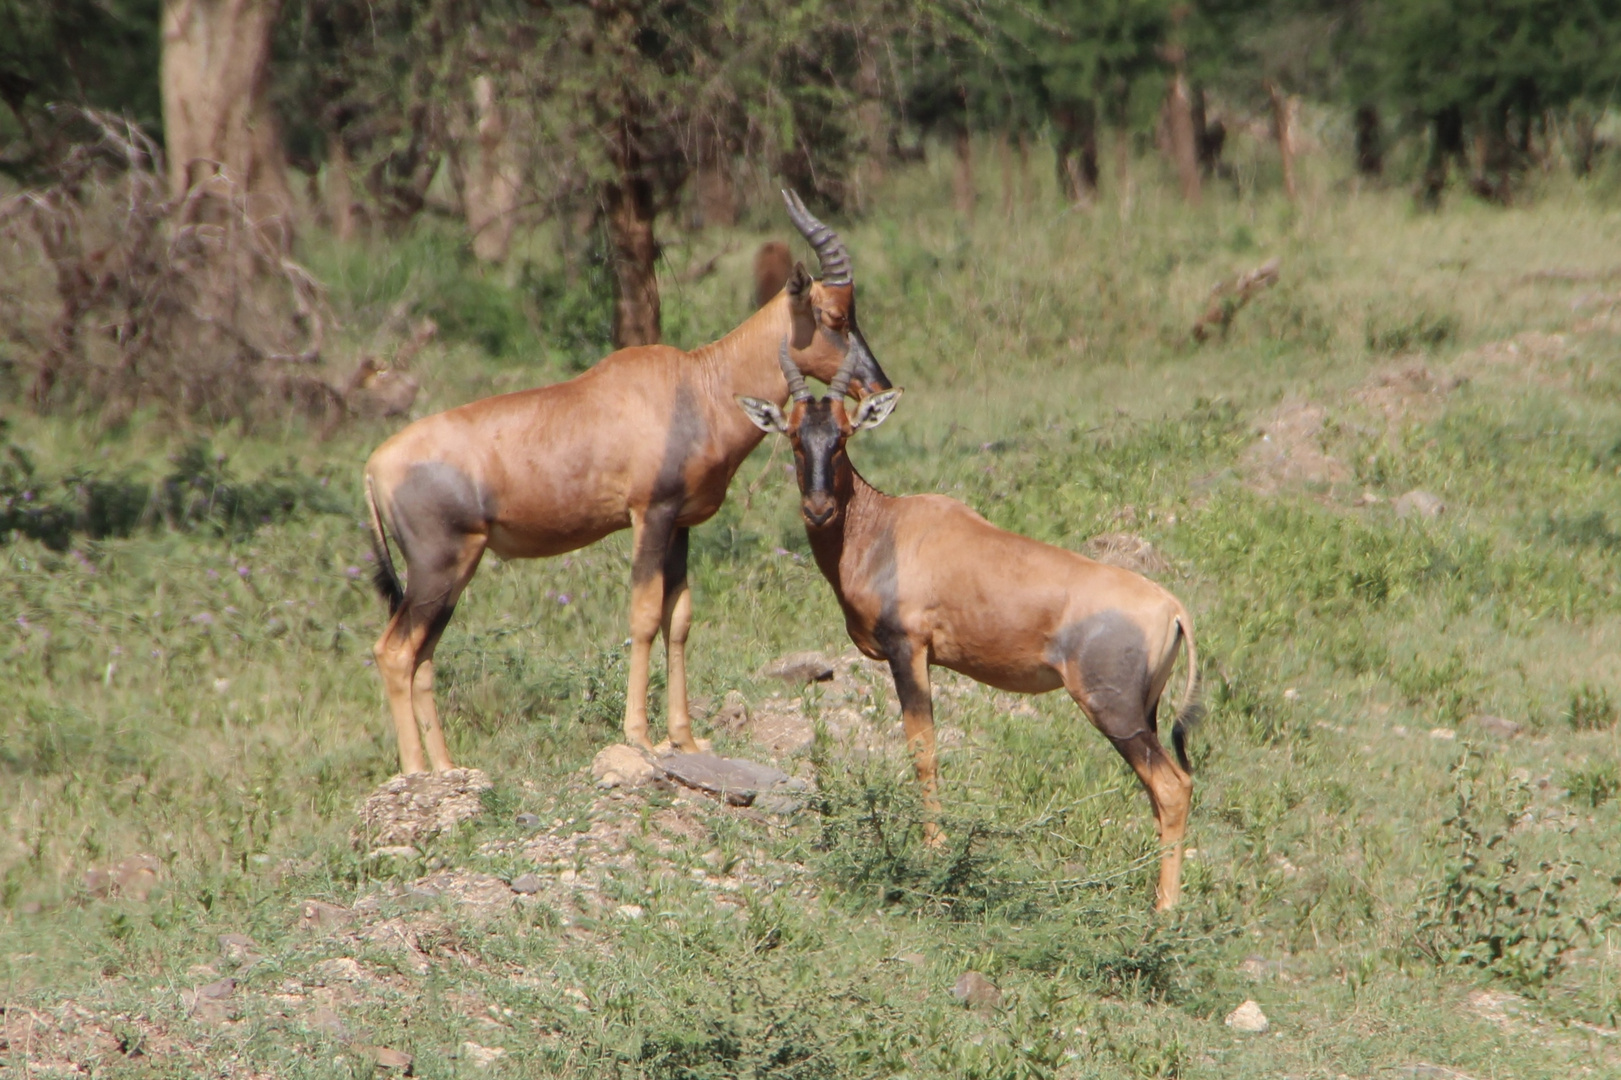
(924, 580)
(649, 438)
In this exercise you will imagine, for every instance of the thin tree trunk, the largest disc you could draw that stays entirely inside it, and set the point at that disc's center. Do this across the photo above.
(1370, 150)
(962, 180)
(634, 252)
(870, 121)
(1077, 153)
(1122, 170)
(221, 136)
(1283, 127)
(1179, 108)
(490, 194)
(339, 191)
(717, 195)
(1446, 141)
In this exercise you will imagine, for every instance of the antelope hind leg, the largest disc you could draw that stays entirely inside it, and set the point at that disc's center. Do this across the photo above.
(676, 625)
(652, 531)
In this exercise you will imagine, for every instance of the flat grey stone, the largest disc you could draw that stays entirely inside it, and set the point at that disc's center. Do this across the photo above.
(1496, 725)
(1419, 503)
(528, 821)
(732, 779)
(799, 668)
(527, 884)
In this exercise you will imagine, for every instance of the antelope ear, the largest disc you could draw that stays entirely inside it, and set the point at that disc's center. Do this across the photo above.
(875, 409)
(799, 306)
(764, 415)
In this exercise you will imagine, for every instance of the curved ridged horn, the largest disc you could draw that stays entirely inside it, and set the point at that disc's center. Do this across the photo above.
(841, 379)
(797, 390)
(829, 248)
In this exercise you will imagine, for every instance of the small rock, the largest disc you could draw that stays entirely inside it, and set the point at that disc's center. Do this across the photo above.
(1496, 725)
(137, 876)
(340, 969)
(733, 715)
(1419, 504)
(629, 911)
(1444, 734)
(781, 805)
(977, 992)
(239, 949)
(482, 1057)
(799, 668)
(320, 915)
(328, 1022)
(393, 851)
(622, 766)
(528, 821)
(218, 990)
(914, 959)
(1248, 1017)
(97, 882)
(391, 1059)
(527, 884)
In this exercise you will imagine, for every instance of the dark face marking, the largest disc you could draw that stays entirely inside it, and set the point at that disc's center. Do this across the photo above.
(1111, 657)
(868, 377)
(818, 442)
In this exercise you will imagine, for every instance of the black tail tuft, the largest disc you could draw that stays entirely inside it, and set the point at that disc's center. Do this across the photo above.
(1179, 734)
(388, 583)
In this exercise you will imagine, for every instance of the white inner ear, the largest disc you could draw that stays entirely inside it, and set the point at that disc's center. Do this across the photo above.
(875, 410)
(764, 415)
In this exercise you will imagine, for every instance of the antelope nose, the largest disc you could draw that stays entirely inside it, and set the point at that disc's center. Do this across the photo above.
(819, 509)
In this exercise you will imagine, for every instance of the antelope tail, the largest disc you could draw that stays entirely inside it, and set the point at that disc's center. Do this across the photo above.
(1191, 709)
(385, 577)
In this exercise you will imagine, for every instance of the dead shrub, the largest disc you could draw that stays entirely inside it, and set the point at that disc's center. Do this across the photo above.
(118, 296)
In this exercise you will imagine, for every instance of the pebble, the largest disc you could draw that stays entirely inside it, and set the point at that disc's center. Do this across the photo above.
(528, 821)
(1443, 733)
(1419, 503)
(977, 992)
(800, 667)
(527, 884)
(1496, 725)
(482, 1057)
(1248, 1017)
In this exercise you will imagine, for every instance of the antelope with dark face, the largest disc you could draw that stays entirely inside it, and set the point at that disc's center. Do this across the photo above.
(924, 580)
(648, 439)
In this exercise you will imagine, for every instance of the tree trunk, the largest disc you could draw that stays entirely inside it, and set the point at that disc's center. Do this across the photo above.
(962, 178)
(1077, 153)
(870, 121)
(634, 255)
(1179, 120)
(221, 137)
(1446, 141)
(1122, 170)
(1370, 148)
(1584, 124)
(339, 192)
(717, 195)
(1284, 108)
(490, 194)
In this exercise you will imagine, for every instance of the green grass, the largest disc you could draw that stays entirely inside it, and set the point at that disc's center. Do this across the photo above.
(195, 684)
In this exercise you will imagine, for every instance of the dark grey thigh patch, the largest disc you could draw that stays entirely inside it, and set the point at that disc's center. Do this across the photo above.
(1111, 655)
(434, 508)
(885, 581)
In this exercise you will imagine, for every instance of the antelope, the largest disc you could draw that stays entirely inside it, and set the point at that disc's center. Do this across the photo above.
(772, 264)
(924, 580)
(647, 439)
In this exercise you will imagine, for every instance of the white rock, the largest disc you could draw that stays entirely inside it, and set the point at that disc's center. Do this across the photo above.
(622, 766)
(1248, 1017)
(1446, 734)
(482, 1057)
(629, 911)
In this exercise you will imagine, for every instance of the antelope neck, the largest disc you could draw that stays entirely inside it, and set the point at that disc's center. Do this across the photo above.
(744, 362)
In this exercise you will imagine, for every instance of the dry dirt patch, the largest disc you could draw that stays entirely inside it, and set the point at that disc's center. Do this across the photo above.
(1290, 452)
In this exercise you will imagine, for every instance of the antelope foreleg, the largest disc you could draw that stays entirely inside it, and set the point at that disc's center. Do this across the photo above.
(910, 668)
(651, 531)
(677, 624)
